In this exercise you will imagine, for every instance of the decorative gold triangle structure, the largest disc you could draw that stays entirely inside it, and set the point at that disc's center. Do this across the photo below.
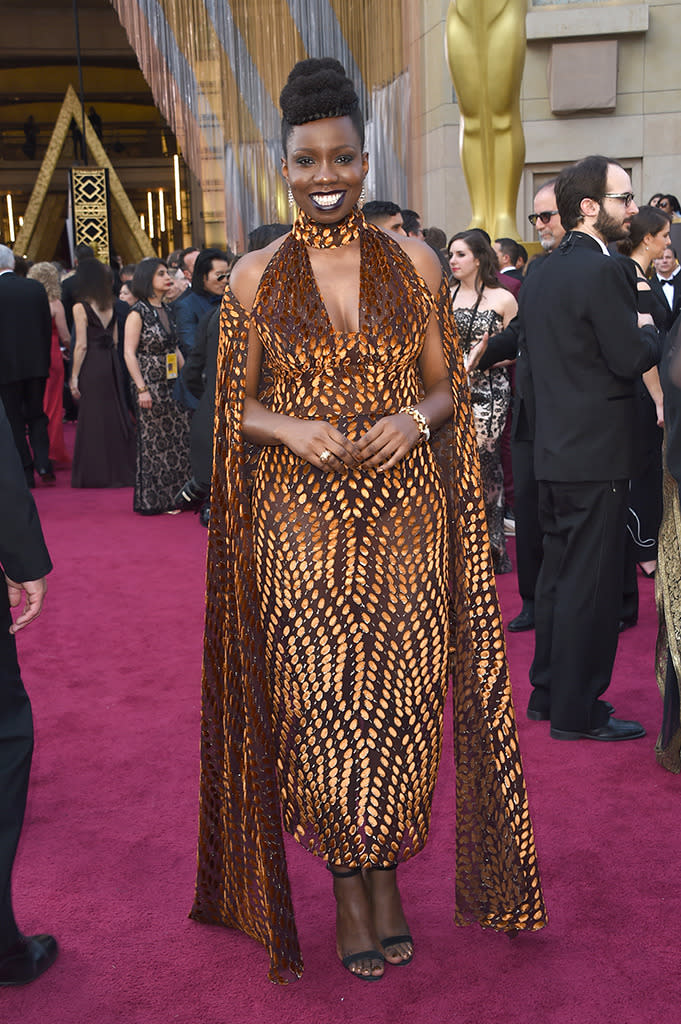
(30, 234)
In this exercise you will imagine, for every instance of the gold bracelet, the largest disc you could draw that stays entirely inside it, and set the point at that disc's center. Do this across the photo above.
(419, 419)
(140, 391)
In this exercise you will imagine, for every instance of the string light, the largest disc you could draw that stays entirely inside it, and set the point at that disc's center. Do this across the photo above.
(150, 209)
(10, 217)
(178, 193)
(143, 222)
(161, 211)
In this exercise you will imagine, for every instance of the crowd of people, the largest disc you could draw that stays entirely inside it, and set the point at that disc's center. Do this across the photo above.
(386, 410)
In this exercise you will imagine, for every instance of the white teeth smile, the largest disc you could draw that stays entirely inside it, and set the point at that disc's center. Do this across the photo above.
(327, 199)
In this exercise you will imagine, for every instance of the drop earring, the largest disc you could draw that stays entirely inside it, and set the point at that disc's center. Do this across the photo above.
(291, 200)
(362, 198)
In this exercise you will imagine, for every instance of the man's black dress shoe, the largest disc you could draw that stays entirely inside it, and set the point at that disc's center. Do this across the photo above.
(545, 716)
(523, 621)
(27, 959)
(626, 624)
(614, 729)
(47, 476)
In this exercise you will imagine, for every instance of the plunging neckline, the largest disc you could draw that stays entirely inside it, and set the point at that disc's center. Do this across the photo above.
(322, 304)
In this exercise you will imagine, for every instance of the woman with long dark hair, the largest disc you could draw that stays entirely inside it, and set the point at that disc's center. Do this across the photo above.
(104, 452)
(482, 306)
(648, 238)
(348, 572)
(154, 360)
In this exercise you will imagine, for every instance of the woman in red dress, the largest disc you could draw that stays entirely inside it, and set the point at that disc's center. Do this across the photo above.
(53, 403)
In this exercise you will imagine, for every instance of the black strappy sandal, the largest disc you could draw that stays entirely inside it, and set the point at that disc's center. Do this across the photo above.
(395, 940)
(367, 954)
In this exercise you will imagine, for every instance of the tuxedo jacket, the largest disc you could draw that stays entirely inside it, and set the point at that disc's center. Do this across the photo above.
(510, 344)
(23, 554)
(585, 352)
(25, 329)
(671, 311)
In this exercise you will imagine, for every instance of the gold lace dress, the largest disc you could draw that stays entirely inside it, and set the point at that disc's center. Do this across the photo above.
(338, 603)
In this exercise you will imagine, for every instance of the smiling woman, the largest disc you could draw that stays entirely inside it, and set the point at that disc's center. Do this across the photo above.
(348, 573)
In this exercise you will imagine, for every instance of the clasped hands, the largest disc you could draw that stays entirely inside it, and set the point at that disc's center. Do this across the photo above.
(381, 447)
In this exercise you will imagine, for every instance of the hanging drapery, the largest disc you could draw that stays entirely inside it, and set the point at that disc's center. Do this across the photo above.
(216, 68)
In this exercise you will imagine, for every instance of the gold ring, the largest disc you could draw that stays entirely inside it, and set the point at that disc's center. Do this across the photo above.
(326, 454)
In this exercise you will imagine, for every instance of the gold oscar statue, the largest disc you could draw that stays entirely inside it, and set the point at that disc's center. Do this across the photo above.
(486, 44)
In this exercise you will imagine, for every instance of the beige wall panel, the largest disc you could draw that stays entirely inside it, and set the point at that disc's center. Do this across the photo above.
(662, 48)
(571, 139)
(629, 104)
(538, 109)
(663, 137)
(668, 102)
(535, 76)
(631, 64)
(661, 175)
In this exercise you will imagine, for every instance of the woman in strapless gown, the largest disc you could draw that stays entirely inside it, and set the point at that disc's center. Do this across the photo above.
(482, 306)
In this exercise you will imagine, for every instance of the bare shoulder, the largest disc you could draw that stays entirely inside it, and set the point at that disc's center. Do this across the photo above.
(424, 259)
(503, 301)
(248, 270)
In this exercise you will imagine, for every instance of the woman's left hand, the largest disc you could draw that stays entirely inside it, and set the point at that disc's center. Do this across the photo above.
(388, 441)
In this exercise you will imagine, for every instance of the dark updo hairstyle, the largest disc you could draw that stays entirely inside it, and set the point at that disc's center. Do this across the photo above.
(482, 250)
(94, 283)
(142, 284)
(648, 221)
(316, 89)
(204, 265)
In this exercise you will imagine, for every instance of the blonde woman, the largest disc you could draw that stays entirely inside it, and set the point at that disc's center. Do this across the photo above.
(53, 402)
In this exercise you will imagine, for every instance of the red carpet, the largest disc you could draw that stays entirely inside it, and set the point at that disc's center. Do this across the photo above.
(107, 854)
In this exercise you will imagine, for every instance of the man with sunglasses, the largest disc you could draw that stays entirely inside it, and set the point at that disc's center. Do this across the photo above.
(509, 344)
(586, 344)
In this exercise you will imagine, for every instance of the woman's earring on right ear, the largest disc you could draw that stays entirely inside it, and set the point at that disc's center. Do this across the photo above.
(291, 200)
(362, 197)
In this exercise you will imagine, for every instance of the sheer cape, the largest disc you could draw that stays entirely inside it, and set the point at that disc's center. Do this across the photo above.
(242, 877)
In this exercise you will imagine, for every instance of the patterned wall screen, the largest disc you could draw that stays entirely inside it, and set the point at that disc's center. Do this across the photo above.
(91, 210)
(216, 68)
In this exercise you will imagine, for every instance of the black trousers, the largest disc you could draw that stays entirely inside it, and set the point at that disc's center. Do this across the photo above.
(528, 539)
(578, 599)
(16, 749)
(23, 401)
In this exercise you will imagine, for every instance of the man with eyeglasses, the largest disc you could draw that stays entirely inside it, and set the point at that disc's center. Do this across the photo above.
(586, 345)
(509, 344)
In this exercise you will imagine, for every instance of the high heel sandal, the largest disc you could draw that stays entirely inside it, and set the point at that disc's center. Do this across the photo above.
(367, 954)
(395, 940)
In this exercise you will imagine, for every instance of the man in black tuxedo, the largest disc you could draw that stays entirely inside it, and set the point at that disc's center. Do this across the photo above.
(25, 336)
(510, 344)
(666, 282)
(25, 563)
(585, 351)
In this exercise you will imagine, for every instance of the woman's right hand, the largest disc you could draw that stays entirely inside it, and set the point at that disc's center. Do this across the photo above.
(313, 439)
(144, 400)
(73, 388)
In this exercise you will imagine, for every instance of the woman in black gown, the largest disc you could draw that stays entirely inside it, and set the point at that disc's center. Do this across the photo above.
(649, 236)
(104, 453)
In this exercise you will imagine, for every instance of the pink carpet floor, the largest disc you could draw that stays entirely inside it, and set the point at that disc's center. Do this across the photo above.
(108, 850)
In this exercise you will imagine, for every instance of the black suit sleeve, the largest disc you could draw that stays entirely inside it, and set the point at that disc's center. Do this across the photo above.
(627, 349)
(23, 554)
(501, 346)
(192, 372)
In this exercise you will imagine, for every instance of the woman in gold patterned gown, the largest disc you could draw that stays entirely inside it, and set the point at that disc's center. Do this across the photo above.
(348, 573)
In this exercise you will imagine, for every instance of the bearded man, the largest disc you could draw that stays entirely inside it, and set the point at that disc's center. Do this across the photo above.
(586, 345)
